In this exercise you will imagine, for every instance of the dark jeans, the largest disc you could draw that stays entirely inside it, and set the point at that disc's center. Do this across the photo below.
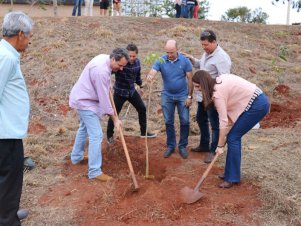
(178, 10)
(184, 11)
(246, 121)
(137, 102)
(202, 117)
(169, 105)
(77, 4)
(11, 180)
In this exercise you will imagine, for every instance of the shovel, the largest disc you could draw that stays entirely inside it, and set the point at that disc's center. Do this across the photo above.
(136, 187)
(192, 195)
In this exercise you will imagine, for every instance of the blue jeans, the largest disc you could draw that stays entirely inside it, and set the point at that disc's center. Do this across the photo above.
(190, 9)
(246, 121)
(77, 4)
(169, 105)
(184, 11)
(202, 117)
(89, 126)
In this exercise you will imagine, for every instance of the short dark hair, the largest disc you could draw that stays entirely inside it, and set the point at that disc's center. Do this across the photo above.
(119, 53)
(208, 35)
(132, 47)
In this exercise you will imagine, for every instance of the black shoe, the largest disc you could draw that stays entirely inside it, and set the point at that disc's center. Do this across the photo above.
(199, 149)
(22, 213)
(183, 153)
(168, 153)
(149, 135)
(110, 140)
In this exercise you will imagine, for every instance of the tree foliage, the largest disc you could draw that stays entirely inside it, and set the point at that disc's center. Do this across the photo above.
(203, 9)
(245, 15)
(296, 4)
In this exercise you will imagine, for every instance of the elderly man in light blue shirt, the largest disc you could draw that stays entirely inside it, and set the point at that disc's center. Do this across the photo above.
(90, 97)
(14, 113)
(217, 62)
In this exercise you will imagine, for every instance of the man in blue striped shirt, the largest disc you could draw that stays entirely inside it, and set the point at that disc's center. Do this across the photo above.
(124, 90)
(14, 114)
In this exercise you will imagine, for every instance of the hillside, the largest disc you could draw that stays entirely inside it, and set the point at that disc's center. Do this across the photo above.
(58, 193)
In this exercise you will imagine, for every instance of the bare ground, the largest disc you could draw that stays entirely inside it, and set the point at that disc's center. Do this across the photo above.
(58, 193)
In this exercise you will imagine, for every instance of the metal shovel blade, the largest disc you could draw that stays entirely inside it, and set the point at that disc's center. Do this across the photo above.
(190, 195)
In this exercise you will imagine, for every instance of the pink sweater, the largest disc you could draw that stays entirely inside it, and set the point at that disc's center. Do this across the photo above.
(231, 97)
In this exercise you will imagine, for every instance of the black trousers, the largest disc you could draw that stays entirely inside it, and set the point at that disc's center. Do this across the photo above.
(137, 102)
(11, 180)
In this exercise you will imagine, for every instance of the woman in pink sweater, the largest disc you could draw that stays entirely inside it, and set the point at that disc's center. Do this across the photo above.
(240, 105)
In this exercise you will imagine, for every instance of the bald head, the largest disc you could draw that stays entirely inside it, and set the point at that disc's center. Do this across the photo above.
(171, 49)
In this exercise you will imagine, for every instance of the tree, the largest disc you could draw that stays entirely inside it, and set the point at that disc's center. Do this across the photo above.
(239, 14)
(203, 9)
(258, 16)
(245, 15)
(296, 4)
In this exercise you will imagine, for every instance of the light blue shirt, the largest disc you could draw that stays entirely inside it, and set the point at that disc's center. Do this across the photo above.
(14, 99)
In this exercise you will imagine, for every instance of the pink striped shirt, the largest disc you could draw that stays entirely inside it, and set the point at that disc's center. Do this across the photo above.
(91, 91)
(231, 97)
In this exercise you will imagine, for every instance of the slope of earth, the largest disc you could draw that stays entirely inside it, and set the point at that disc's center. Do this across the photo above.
(58, 193)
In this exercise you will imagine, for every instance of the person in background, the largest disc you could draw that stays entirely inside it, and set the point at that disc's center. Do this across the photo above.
(184, 9)
(89, 7)
(240, 104)
(196, 10)
(104, 5)
(176, 71)
(14, 111)
(190, 8)
(90, 97)
(124, 90)
(216, 62)
(178, 8)
(77, 6)
(117, 7)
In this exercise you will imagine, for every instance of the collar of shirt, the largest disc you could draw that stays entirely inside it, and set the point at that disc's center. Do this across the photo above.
(214, 52)
(171, 61)
(10, 48)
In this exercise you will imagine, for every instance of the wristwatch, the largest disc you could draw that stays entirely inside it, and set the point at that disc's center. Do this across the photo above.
(189, 97)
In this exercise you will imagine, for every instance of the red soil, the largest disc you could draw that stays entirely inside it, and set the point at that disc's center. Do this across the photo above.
(158, 200)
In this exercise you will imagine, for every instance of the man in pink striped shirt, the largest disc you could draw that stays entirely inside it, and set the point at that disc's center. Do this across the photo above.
(90, 97)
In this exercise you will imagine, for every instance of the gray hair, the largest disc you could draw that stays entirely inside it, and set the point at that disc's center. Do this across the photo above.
(14, 22)
(119, 53)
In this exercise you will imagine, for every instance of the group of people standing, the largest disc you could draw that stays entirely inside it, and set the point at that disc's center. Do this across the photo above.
(231, 104)
(103, 4)
(187, 8)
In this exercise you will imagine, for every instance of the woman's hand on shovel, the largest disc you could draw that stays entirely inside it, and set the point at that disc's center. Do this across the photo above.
(219, 150)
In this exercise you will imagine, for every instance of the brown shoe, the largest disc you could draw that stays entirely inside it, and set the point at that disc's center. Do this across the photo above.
(209, 157)
(103, 177)
(199, 149)
(84, 160)
(226, 184)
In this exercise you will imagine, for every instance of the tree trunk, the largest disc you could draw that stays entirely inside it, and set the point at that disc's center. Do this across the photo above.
(55, 7)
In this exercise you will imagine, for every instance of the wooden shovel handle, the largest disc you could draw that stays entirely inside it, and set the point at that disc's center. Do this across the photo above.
(124, 146)
(197, 187)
